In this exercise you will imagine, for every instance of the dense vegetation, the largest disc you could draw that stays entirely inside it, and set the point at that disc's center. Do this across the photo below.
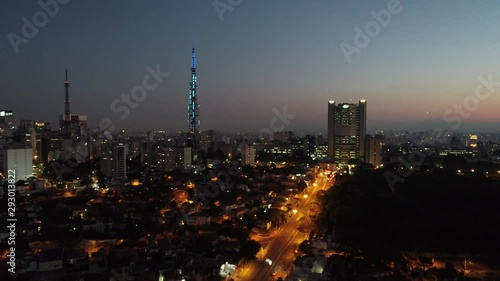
(437, 212)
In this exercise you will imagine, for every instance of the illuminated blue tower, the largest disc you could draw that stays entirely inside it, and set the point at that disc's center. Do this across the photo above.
(193, 108)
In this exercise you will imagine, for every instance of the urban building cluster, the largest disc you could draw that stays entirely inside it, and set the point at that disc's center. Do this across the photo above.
(195, 205)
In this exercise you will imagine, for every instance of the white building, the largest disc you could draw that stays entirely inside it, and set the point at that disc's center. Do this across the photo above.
(248, 155)
(19, 160)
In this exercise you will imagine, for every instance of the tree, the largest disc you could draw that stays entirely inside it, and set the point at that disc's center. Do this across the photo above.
(86, 181)
(233, 232)
(449, 272)
(219, 155)
(88, 192)
(301, 186)
(248, 170)
(101, 178)
(49, 173)
(305, 247)
(202, 155)
(68, 177)
(214, 210)
(248, 221)
(277, 217)
(249, 249)
(309, 177)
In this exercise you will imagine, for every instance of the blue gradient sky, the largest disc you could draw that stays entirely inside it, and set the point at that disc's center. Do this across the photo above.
(263, 55)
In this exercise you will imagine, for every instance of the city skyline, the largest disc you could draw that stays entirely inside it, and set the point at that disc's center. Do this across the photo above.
(250, 140)
(242, 76)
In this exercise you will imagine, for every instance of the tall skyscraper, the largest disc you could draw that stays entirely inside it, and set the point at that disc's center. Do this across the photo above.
(248, 155)
(346, 131)
(66, 119)
(20, 159)
(114, 160)
(193, 108)
(35, 134)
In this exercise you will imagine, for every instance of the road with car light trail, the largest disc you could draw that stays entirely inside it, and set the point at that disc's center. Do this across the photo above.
(281, 248)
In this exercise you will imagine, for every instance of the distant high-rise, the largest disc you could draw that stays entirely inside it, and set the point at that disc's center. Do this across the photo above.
(283, 136)
(113, 160)
(373, 150)
(6, 123)
(346, 131)
(36, 135)
(248, 155)
(193, 107)
(19, 159)
(66, 120)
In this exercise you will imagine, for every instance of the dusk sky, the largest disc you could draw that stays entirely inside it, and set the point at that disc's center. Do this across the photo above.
(262, 55)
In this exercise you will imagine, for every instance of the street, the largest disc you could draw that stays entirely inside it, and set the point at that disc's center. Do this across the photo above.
(281, 248)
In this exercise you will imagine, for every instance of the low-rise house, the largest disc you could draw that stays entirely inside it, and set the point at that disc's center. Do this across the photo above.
(157, 219)
(79, 211)
(100, 256)
(289, 183)
(240, 211)
(77, 259)
(51, 259)
(196, 219)
(263, 225)
(170, 275)
(169, 249)
(97, 226)
(241, 186)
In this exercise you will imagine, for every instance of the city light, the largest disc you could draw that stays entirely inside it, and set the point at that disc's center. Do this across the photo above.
(305, 185)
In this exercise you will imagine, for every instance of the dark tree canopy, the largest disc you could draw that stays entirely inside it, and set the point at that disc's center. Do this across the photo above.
(436, 211)
(249, 249)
